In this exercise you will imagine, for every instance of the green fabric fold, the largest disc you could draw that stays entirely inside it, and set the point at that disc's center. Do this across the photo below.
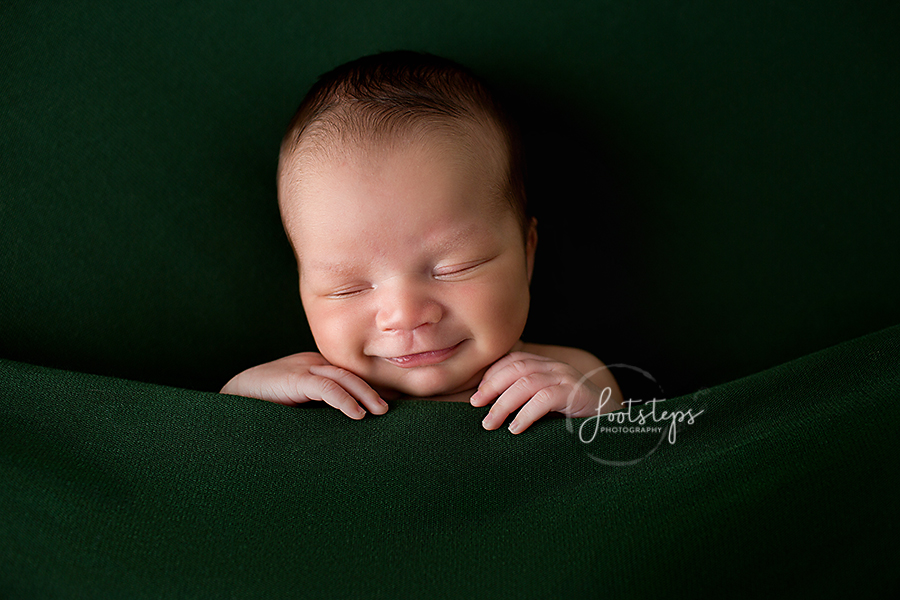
(785, 484)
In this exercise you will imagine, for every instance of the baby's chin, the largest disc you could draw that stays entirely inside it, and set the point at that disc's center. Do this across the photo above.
(427, 385)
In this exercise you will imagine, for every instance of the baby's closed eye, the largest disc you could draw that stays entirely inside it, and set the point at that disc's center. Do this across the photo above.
(459, 270)
(349, 291)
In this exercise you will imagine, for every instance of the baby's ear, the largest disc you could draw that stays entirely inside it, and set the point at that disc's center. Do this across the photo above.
(531, 240)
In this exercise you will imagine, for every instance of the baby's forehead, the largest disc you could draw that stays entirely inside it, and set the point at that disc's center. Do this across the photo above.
(324, 191)
(329, 140)
(322, 152)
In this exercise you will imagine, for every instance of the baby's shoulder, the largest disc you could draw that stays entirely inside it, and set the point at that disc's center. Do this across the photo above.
(582, 360)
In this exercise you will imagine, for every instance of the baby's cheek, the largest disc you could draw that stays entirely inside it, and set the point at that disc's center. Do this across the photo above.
(514, 301)
(337, 333)
(502, 313)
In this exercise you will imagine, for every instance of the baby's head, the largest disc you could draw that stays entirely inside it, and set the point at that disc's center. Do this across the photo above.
(401, 190)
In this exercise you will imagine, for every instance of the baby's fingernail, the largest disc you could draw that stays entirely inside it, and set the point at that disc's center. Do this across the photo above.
(486, 423)
(514, 427)
(360, 413)
(474, 397)
(382, 403)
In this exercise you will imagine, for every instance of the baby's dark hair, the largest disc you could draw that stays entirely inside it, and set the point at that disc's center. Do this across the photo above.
(378, 97)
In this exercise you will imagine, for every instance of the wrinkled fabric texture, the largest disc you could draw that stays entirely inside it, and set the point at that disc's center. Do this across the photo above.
(785, 484)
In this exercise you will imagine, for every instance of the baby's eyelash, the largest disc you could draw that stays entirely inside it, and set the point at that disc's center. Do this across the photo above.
(348, 293)
(455, 270)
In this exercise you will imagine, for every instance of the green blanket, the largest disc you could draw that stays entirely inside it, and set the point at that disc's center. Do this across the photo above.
(785, 485)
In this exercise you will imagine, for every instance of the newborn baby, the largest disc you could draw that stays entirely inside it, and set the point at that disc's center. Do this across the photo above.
(401, 191)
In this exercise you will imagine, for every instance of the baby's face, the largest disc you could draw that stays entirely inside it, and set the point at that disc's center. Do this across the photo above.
(413, 275)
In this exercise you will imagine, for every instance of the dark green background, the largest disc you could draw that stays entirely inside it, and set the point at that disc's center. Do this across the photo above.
(716, 183)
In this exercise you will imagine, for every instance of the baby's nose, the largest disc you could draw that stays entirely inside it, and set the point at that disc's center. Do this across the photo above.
(406, 305)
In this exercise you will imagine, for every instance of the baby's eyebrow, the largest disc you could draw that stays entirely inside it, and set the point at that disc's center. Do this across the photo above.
(458, 238)
(327, 268)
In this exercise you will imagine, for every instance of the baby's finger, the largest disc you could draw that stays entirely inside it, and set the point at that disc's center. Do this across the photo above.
(542, 403)
(504, 362)
(503, 374)
(317, 387)
(354, 385)
(521, 391)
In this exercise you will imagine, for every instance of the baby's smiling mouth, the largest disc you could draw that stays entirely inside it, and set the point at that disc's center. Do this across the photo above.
(422, 359)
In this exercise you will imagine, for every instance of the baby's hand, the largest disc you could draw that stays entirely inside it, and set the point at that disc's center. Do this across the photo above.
(307, 376)
(540, 385)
